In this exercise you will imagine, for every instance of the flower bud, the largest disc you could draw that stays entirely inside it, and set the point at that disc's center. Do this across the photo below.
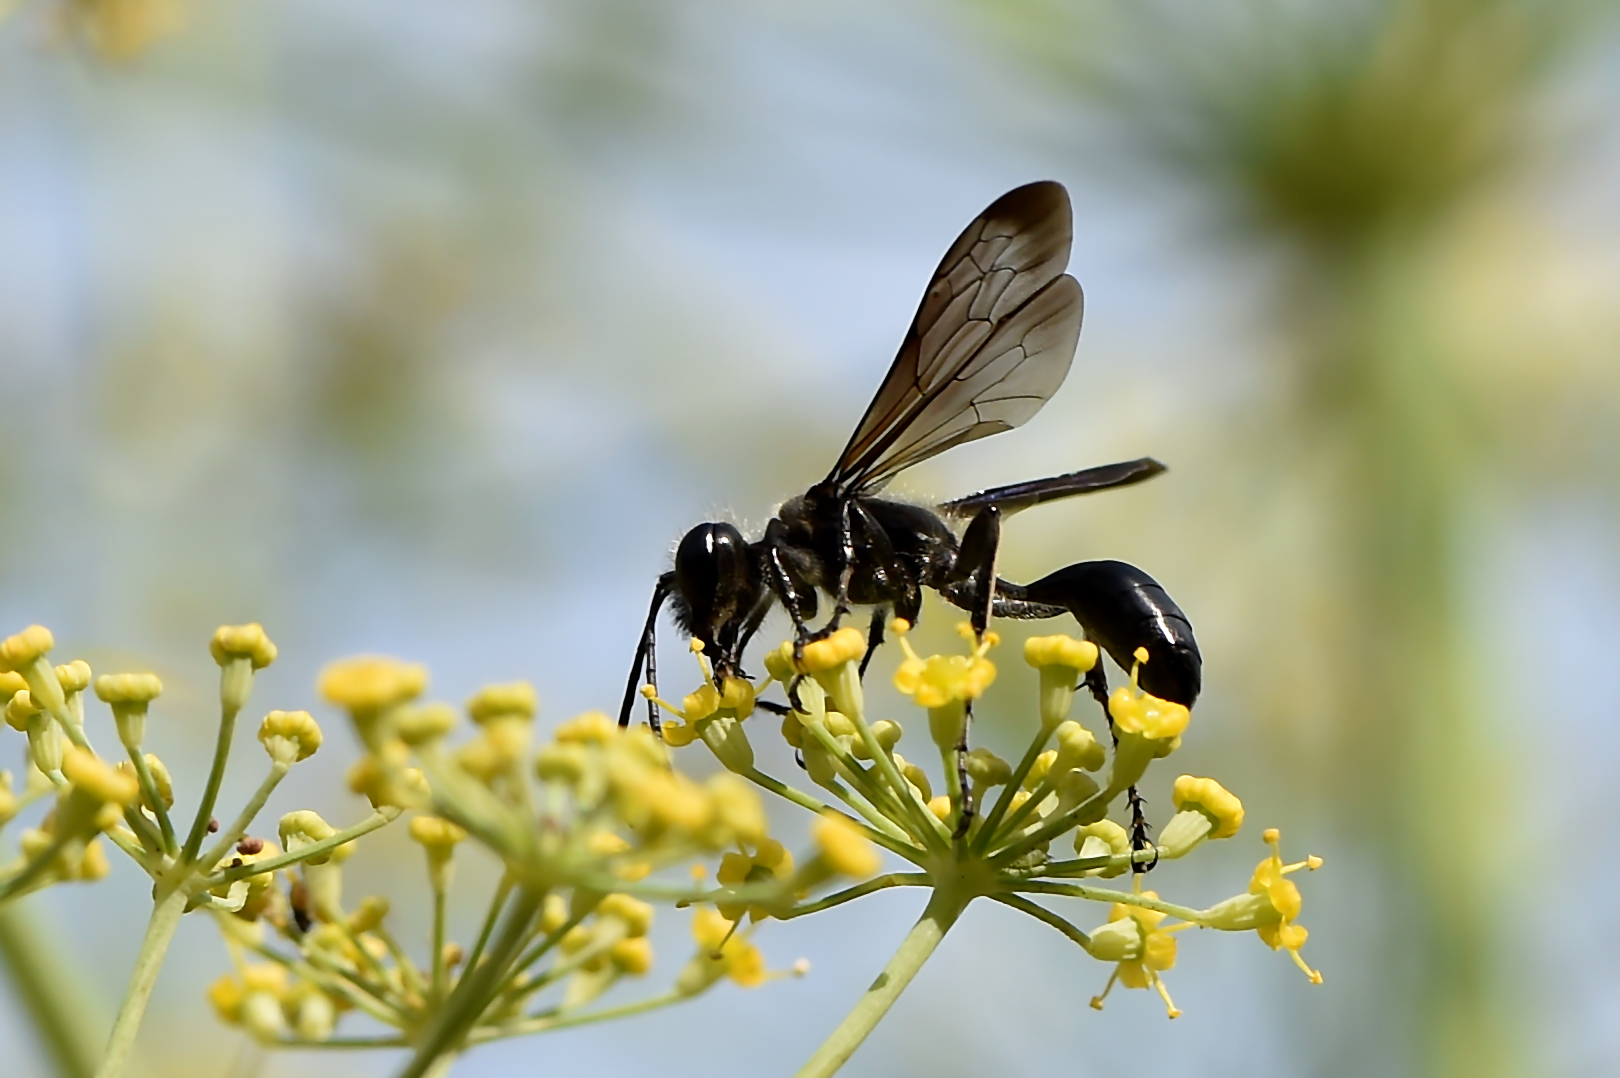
(726, 738)
(737, 808)
(1210, 798)
(425, 724)
(289, 736)
(916, 776)
(1103, 838)
(305, 828)
(20, 651)
(1117, 941)
(843, 846)
(985, 769)
(369, 683)
(517, 699)
(129, 695)
(160, 780)
(1077, 748)
(232, 642)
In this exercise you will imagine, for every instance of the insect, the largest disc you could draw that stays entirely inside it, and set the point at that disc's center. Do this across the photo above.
(990, 343)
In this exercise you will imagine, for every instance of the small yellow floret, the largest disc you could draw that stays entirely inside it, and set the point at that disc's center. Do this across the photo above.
(587, 728)
(516, 698)
(636, 915)
(1060, 650)
(128, 688)
(290, 736)
(845, 645)
(88, 773)
(242, 642)
(435, 833)
(633, 956)
(160, 779)
(22, 649)
(19, 709)
(73, 677)
(11, 683)
(941, 679)
(372, 682)
(1146, 715)
(843, 846)
(305, 828)
(429, 722)
(1212, 799)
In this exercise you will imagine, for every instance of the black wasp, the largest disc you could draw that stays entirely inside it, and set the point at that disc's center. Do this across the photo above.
(991, 341)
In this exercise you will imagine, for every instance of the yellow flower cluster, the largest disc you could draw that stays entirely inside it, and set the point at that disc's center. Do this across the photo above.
(969, 836)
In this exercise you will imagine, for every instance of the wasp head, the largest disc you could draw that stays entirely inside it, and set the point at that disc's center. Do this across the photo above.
(717, 586)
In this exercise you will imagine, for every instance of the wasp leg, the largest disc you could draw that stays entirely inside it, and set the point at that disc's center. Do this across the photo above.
(782, 584)
(974, 567)
(1097, 682)
(647, 653)
(846, 574)
(874, 640)
(894, 579)
(976, 562)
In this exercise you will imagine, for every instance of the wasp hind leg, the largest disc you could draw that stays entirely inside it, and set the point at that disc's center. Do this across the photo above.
(647, 656)
(1096, 681)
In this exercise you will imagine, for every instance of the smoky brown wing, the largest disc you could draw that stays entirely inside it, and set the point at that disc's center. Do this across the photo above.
(991, 340)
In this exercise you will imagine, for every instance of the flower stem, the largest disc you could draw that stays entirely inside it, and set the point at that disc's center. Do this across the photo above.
(159, 931)
(43, 986)
(944, 907)
(216, 775)
(444, 1039)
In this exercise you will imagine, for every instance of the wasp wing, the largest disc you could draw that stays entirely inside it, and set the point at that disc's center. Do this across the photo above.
(1015, 496)
(991, 342)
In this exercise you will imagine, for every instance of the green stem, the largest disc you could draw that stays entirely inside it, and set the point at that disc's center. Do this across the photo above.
(540, 1025)
(1046, 917)
(932, 832)
(41, 982)
(860, 890)
(303, 853)
(1051, 829)
(496, 904)
(1108, 894)
(943, 909)
(36, 867)
(394, 1041)
(987, 830)
(861, 780)
(813, 804)
(244, 819)
(149, 789)
(440, 974)
(216, 775)
(447, 1034)
(159, 931)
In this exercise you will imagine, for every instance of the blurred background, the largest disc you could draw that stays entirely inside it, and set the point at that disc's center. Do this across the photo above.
(427, 329)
